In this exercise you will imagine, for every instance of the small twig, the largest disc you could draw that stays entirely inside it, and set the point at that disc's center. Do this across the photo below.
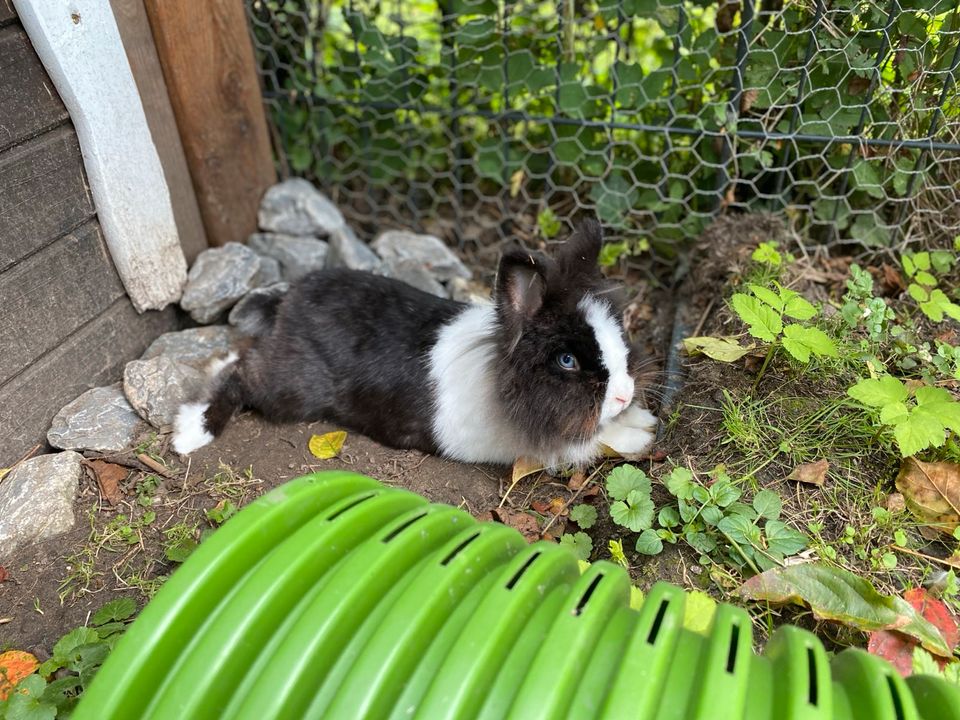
(154, 465)
(908, 551)
(703, 317)
(25, 457)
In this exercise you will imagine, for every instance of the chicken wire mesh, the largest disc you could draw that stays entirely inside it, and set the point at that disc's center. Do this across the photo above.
(482, 119)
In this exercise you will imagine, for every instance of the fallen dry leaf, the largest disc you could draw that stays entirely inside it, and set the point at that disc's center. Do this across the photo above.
(328, 445)
(523, 467)
(526, 524)
(895, 503)
(814, 473)
(3, 574)
(109, 476)
(932, 492)
(15, 665)
(892, 279)
(554, 507)
(576, 480)
(898, 648)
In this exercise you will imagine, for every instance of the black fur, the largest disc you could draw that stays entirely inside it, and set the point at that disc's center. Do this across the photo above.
(348, 347)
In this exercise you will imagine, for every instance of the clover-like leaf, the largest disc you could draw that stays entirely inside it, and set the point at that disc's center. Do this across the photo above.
(579, 542)
(680, 483)
(584, 515)
(626, 478)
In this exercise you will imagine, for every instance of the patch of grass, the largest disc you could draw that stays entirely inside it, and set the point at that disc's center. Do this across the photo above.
(228, 484)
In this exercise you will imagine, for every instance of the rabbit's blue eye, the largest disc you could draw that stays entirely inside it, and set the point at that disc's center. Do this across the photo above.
(567, 361)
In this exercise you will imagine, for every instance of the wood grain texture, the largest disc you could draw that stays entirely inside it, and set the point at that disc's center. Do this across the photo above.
(43, 193)
(211, 77)
(47, 296)
(142, 53)
(92, 356)
(29, 105)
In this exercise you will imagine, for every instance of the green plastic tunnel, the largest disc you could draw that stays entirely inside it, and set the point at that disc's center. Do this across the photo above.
(334, 597)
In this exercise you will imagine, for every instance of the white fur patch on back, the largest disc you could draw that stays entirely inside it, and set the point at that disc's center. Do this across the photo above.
(189, 430)
(613, 355)
(468, 423)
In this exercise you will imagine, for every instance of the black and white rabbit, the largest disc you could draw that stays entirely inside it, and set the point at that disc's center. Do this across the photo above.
(543, 372)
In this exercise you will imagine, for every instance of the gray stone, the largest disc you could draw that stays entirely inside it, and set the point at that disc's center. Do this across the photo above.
(347, 250)
(36, 500)
(425, 250)
(412, 273)
(196, 346)
(101, 419)
(297, 255)
(157, 387)
(246, 315)
(469, 291)
(270, 272)
(296, 207)
(219, 277)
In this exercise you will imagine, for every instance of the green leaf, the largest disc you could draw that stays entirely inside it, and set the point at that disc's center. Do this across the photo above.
(725, 493)
(918, 432)
(766, 253)
(66, 649)
(923, 663)
(767, 296)
(26, 701)
(876, 393)
(584, 515)
(737, 528)
(548, 223)
(800, 341)
(115, 610)
(636, 514)
(839, 595)
(768, 504)
(649, 543)
(799, 309)
(615, 547)
(579, 542)
(179, 551)
(893, 413)
(783, 539)
(716, 348)
(701, 542)
(711, 515)
(680, 483)
(762, 321)
(626, 478)
(925, 279)
(668, 517)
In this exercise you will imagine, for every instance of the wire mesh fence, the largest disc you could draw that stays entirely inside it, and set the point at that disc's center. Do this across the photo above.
(487, 118)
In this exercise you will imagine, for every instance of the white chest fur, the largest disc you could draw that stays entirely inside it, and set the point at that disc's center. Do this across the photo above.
(468, 424)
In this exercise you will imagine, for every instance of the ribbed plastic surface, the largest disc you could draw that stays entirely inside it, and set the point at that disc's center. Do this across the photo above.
(336, 597)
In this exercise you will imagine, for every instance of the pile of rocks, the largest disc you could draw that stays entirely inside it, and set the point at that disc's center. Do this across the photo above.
(301, 231)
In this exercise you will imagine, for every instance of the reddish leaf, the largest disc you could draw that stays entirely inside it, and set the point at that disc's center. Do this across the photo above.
(3, 574)
(15, 665)
(898, 648)
(109, 476)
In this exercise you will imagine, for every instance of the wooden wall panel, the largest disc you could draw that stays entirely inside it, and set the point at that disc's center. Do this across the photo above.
(94, 355)
(43, 193)
(47, 296)
(28, 101)
(142, 53)
(211, 77)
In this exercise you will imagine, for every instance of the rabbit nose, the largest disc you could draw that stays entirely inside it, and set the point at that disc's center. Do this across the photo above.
(621, 400)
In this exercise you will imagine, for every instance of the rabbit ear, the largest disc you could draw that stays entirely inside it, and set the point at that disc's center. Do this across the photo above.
(579, 253)
(521, 282)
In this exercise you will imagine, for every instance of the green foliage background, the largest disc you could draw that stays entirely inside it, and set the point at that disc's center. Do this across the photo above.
(655, 113)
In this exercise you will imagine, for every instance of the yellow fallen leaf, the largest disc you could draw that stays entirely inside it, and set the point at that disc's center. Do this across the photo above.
(3, 472)
(328, 445)
(523, 467)
(15, 665)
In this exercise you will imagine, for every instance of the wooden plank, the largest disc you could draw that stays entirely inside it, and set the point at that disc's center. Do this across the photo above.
(92, 356)
(80, 46)
(7, 13)
(30, 103)
(53, 292)
(142, 54)
(211, 75)
(43, 193)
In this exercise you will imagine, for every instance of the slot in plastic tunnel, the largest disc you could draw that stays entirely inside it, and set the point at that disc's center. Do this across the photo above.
(334, 596)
